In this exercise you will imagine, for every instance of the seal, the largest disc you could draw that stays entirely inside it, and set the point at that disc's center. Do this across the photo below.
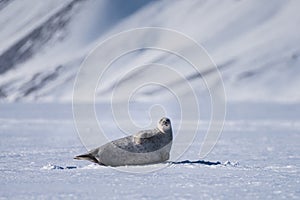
(145, 147)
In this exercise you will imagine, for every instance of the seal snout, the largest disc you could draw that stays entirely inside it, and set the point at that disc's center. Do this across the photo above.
(165, 121)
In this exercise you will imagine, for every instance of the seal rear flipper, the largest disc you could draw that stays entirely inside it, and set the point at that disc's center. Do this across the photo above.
(88, 157)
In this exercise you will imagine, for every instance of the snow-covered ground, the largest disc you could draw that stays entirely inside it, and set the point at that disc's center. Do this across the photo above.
(259, 159)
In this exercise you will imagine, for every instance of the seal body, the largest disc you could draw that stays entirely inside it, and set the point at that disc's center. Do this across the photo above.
(145, 147)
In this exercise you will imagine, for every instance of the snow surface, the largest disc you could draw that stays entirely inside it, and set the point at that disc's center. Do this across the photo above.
(259, 159)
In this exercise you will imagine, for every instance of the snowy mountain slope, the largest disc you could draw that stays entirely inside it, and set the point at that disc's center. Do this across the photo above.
(254, 44)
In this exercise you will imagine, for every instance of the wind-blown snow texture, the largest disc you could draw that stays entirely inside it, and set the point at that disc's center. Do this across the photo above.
(36, 154)
(254, 43)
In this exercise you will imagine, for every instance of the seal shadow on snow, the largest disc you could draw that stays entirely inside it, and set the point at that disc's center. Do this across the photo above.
(202, 162)
(184, 162)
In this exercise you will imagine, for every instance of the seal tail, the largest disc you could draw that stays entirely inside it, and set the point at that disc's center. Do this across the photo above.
(88, 157)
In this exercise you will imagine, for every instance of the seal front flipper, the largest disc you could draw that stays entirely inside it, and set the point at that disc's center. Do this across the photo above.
(143, 136)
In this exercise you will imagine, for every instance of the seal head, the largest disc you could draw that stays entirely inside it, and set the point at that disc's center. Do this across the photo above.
(164, 125)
